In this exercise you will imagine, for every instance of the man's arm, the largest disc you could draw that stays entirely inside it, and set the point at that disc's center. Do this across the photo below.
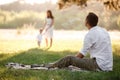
(79, 55)
(86, 46)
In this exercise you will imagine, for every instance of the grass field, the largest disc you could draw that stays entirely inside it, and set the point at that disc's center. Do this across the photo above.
(27, 52)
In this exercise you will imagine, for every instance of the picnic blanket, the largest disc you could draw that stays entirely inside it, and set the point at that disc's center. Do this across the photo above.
(12, 65)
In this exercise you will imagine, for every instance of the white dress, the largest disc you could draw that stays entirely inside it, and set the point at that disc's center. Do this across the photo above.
(49, 32)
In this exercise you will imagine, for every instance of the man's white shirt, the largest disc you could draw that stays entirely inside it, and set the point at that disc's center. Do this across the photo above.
(97, 42)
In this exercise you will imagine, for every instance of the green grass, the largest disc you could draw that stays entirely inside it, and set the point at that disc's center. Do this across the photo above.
(27, 52)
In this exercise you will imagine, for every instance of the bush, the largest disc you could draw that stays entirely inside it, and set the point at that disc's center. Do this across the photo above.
(14, 20)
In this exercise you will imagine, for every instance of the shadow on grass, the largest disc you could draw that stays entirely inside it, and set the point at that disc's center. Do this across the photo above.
(35, 56)
(39, 56)
(32, 56)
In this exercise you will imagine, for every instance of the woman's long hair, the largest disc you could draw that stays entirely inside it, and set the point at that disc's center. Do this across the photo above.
(49, 16)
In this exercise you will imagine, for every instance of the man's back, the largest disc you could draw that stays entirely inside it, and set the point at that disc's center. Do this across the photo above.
(101, 47)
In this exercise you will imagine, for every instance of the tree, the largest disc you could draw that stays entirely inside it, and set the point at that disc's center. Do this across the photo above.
(112, 4)
(109, 4)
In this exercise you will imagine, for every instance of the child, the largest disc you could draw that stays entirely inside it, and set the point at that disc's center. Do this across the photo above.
(39, 37)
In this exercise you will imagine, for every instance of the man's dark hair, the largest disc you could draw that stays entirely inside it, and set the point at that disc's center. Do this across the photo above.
(92, 19)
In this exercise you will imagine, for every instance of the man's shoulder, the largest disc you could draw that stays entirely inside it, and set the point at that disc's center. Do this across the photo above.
(95, 31)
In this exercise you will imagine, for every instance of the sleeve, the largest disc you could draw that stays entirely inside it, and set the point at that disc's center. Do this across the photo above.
(86, 45)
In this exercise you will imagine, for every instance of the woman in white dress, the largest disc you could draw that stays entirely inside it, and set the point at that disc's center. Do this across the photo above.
(48, 29)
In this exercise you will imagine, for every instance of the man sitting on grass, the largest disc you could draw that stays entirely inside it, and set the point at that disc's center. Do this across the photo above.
(97, 43)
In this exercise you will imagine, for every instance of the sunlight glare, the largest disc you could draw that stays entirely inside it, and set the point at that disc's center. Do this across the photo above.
(28, 1)
(39, 1)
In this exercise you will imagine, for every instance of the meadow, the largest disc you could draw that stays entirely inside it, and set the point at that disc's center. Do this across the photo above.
(27, 52)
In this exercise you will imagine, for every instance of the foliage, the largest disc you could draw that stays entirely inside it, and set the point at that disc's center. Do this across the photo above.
(109, 4)
(19, 6)
(71, 18)
(15, 20)
(63, 19)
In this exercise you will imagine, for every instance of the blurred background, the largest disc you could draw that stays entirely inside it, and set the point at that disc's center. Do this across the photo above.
(17, 14)
(20, 21)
